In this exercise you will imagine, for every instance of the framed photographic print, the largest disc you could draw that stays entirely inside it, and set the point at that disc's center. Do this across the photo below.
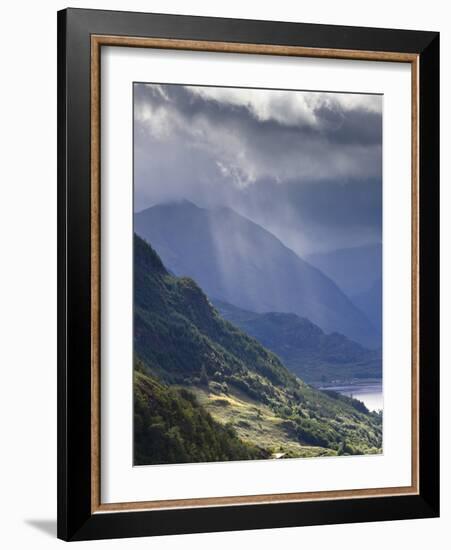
(248, 274)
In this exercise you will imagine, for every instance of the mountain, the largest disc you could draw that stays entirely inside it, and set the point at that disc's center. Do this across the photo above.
(370, 302)
(304, 348)
(182, 342)
(239, 262)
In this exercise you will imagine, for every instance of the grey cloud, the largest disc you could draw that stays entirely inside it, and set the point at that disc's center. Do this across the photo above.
(319, 175)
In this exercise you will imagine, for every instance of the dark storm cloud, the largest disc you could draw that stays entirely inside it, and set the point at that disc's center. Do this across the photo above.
(352, 127)
(312, 162)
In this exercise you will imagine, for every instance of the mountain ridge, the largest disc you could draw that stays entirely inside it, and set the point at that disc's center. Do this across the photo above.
(236, 260)
(304, 348)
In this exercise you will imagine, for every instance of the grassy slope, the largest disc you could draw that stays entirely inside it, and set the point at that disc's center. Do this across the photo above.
(184, 341)
(170, 426)
(256, 423)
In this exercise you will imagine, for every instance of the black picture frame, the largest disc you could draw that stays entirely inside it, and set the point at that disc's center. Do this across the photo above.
(76, 521)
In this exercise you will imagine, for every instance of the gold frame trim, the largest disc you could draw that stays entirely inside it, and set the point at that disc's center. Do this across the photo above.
(97, 41)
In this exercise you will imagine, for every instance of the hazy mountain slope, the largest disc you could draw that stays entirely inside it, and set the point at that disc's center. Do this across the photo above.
(370, 302)
(304, 348)
(182, 340)
(353, 269)
(239, 262)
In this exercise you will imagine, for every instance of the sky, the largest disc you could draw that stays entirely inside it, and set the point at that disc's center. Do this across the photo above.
(305, 165)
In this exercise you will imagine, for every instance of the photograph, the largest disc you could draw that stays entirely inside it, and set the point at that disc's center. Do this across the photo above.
(257, 274)
(248, 273)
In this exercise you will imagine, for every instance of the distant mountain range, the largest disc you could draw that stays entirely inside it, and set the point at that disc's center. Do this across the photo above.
(237, 261)
(204, 390)
(353, 269)
(304, 348)
(358, 272)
